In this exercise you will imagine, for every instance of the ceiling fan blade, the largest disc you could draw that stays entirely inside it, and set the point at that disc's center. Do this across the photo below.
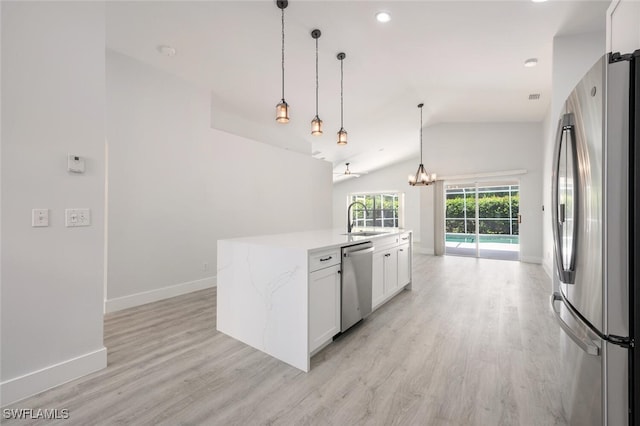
(349, 172)
(358, 174)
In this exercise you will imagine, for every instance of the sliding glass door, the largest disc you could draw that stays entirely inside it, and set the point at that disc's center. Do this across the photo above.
(460, 220)
(482, 220)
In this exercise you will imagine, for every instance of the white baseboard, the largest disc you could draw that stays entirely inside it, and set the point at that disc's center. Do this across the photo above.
(531, 259)
(424, 250)
(124, 302)
(35, 382)
(547, 269)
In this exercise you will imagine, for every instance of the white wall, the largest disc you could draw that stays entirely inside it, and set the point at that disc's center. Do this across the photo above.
(478, 148)
(392, 179)
(623, 26)
(176, 186)
(573, 56)
(53, 101)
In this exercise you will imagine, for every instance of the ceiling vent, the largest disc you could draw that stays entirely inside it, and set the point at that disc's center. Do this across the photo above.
(534, 96)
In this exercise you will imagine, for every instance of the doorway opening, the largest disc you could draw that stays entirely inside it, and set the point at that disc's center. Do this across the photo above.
(482, 220)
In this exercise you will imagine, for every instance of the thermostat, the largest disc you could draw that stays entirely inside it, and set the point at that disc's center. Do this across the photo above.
(75, 164)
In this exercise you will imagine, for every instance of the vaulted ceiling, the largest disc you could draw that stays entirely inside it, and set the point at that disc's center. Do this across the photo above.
(463, 59)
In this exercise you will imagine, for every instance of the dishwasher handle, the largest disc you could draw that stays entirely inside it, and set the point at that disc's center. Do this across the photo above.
(358, 252)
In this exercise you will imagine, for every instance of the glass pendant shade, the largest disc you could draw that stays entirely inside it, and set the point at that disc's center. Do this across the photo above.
(316, 126)
(342, 137)
(422, 178)
(282, 112)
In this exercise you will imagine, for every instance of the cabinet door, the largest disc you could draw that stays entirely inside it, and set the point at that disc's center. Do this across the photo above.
(404, 265)
(390, 271)
(324, 306)
(377, 279)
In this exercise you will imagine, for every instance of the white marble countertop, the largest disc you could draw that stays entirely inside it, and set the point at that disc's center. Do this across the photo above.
(316, 240)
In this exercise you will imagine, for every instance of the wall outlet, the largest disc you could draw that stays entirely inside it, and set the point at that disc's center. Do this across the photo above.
(77, 217)
(39, 217)
(205, 266)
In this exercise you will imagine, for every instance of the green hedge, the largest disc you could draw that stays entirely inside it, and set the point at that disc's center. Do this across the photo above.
(489, 206)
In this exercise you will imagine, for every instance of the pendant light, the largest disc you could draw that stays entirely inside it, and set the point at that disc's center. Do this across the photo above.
(342, 133)
(282, 109)
(316, 123)
(421, 178)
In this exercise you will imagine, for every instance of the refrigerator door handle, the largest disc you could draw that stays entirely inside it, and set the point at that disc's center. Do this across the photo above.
(584, 344)
(561, 218)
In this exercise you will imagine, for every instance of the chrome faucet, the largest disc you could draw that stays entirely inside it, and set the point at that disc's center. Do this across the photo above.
(349, 224)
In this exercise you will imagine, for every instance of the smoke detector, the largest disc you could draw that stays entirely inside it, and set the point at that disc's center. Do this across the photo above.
(166, 50)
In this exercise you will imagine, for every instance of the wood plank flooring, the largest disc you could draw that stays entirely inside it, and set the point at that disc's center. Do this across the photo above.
(473, 343)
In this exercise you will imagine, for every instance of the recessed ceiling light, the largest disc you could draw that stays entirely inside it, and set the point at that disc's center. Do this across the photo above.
(531, 62)
(383, 16)
(538, 1)
(167, 50)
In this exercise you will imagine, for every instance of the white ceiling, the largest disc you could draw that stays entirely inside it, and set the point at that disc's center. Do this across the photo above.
(463, 59)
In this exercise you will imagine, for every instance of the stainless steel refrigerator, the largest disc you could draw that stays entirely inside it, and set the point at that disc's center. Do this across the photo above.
(596, 224)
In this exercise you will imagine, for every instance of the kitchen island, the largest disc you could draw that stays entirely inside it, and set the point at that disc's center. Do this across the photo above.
(281, 293)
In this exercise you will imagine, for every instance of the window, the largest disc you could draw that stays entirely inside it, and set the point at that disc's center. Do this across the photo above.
(383, 210)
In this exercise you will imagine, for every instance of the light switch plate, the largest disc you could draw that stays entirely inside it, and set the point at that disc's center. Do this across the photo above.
(39, 217)
(77, 217)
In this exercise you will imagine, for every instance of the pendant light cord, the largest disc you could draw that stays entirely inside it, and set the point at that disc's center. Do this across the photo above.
(341, 97)
(282, 53)
(421, 135)
(316, 77)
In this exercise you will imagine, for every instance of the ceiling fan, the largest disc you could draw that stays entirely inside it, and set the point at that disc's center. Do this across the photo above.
(348, 172)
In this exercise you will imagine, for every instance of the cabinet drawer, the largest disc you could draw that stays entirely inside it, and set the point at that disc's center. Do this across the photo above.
(405, 238)
(324, 259)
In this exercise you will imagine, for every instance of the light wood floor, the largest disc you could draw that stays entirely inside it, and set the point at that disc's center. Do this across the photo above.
(474, 343)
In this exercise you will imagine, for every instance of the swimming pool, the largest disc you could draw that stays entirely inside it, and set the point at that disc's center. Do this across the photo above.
(484, 238)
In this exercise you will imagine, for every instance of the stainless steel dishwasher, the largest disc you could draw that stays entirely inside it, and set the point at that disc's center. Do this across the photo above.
(357, 268)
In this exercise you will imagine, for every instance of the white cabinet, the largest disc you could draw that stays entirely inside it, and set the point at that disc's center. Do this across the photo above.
(385, 275)
(390, 271)
(404, 265)
(404, 259)
(324, 306)
(377, 279)
(391, 268)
